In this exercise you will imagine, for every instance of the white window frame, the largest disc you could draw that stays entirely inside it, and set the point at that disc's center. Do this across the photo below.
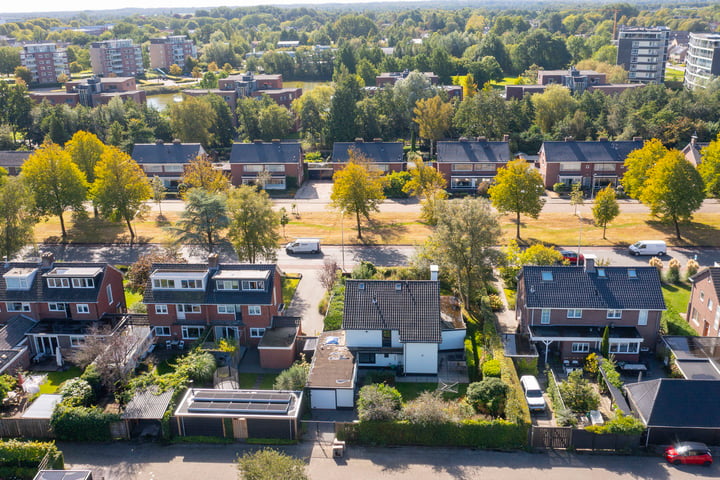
(710, 304)
(580, 347)
(161, 309)
(58, 283)
(614, 314)
(545, 316)
(181, 307)
(82, 308)
(186, 332)
(717, 319)
(574, 313)
(257, 332)
(643, 317)
(702, 297)
(191, 284)
(259, 285)
(83, 283)
(254, 310)
(56, 307)
(77, 342)
(23, 307)
(694, 316)
(161, 331)
(227, 285)
(624, 347)
(108, 290)
(163, 283)
(226, 308)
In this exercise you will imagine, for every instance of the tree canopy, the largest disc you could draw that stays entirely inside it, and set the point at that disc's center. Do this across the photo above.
(253, 224)
(204, 219)
(518, 189)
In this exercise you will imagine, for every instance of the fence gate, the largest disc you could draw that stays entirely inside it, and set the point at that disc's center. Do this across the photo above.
(551, 437)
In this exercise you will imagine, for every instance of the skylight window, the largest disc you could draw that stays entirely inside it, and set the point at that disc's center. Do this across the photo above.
(601, 273)
(632, 273)
(547, 276)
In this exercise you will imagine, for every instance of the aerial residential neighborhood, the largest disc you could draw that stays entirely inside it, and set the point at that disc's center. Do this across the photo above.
(410, 240)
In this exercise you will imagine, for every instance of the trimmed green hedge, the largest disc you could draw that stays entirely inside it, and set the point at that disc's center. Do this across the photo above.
(516, 408)
(469, 433)
(82, 424)
(19, 459)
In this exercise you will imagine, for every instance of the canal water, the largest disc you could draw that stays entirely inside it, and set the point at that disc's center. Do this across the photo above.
(163, 100)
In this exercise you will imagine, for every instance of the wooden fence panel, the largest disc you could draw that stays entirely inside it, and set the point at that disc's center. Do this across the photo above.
(26, 427)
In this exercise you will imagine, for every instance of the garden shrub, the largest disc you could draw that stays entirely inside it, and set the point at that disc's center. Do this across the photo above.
(488, 395)
(560, 187)
(333, 318)
(692, 268)
(657, 263)
(673, 273)
(491, 368)
(378, 402)
(566, 418)
(427, 408)
(578, 394)
(526, 366)
(93, 377)
(197, 366)
(19, 459)
(293, 378)
(619, 424)
(613, 376)
(364, 271)
(395, 181)
(516, 407)
(76, 392)
(591, 364)
(82, 424)
(7, 384)
(494, 302)
(471, 359)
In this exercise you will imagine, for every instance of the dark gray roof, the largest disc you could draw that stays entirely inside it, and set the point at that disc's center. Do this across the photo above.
(573, 287)
(13, 158)
(696, 357)
(714, 273)
(40, 292)
(166, 152)
(210, 296)
(672, 402)
(410, 307)
(148, 404)
(592, 151)
(375, 152)
(14, 331)
(473, 151)
(266, 152)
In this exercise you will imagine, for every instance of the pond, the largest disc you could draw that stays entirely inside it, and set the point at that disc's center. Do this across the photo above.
(163, 100)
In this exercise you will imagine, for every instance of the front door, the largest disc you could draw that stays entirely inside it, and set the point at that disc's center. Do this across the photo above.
(706, 329)
(46, 344)
(180, 312)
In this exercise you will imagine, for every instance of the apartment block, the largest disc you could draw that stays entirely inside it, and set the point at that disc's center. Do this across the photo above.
(170, 50)
(119, 58)
(46, 62)
(642, 51)
(702, 61)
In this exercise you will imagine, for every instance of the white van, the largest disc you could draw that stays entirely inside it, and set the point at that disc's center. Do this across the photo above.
(648, 247)
(533, 393)
(304, 245)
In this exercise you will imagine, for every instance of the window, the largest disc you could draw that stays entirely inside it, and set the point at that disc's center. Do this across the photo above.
(386, 338)
(226, 308)
(174, 168)
(191, 333)
(601, 273)
(580, 347)
(188, 308)
(226, 284)
(76, 342)
(15, 283)
(462, 167)
(162, 331)
(545, 316)
(574, 313)
(632, 273)
(717, 319)
(254, 310)
(614, 314)
(108, 290)
(642, 317)
(604, 167)
(570, 166)
(83, 283)
(484, 167)
(275, 168)
(546, 276)
(702, 297)
(710, 304)
(624, 347)
(163, 283)
(161, 309)
(694, 316)
(366, 358)
(257, 332)
(56, 307)
(58, 282)
(195, 284)
(253, 285)
(83, 308)
(18, 307)
(252, 168)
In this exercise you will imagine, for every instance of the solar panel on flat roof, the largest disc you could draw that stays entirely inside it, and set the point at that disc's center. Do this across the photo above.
(238, 408)
(260, 397)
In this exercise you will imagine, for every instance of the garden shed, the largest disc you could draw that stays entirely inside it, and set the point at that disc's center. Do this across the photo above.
(145, 411)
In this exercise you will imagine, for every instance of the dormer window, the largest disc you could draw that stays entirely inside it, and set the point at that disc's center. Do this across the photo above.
(398, 286)
(58, 282)
(253, 285)
(227, 284)
(83, 283)
(19, 278)
(191, 284)
(163, 283)
(546, 276)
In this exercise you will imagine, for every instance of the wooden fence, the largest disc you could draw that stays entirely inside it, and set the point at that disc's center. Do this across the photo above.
(26, 427)
(580, 439)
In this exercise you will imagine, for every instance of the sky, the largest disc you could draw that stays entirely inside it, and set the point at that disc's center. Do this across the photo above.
(176, 5)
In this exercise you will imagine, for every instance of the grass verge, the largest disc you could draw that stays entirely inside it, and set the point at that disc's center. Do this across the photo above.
(290, 283)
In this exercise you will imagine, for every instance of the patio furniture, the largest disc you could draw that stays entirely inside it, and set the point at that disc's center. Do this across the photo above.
(168, 344)
(181, 345)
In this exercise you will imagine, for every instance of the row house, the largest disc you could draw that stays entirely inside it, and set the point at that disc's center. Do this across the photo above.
(64, 300)
(386, 157)
(466, 164)
(282, 161)
(186, 302)
(592, 164)
(703, 312)
(166, 160)
(565, 310)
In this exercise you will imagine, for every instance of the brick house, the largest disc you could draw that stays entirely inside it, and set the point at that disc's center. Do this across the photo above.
(282, 160)
(465, 164)
(384, 156)
(593, 164)
(64, 299)
(12, 161)
(703, 312)
(166, 160)
(234, 301)
(565, 310)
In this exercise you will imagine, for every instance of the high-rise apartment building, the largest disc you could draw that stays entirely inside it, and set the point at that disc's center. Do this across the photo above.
(118, 58)
(46, 62)
(171, 50)
(642, 51)
(702, 61)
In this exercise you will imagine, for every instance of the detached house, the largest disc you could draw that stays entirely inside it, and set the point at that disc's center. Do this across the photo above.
(703, 313)
(565, 309)
(166, 160)
(63, 299)
(465, 164)
(384, 156)
(282, 160)
(593, 164)
(693, 150)
(398, 323)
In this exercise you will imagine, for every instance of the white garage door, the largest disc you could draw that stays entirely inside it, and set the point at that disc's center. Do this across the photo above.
(323, 399)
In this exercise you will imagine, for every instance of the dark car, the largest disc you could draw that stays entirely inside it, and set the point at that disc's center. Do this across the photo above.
(689, 453)
(571, 256)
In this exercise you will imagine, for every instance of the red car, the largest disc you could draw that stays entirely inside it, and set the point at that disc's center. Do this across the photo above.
(571, 256)
(689, 453)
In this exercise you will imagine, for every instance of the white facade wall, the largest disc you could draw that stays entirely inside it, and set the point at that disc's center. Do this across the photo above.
(453, 340)
(421, 358)
(370, 338)
(322, 399)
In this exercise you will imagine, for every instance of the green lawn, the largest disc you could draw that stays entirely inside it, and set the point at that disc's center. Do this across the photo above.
(289, 285)
(677, 296)
(247, 380)
(55, 379)
(132, 298)
(410, 391)
(268, 381)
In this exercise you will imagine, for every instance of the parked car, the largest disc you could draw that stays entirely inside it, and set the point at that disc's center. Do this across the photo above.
(648, 247)
(571, 256)
(533, 393)
(689, 453)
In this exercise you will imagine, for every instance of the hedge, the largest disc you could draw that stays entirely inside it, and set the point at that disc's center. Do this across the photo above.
(333, 318)
(83, 424)
(516, 407)
(469, 433)
(471, 359)
(19, 459)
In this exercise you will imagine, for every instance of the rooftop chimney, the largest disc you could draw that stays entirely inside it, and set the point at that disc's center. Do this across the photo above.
(377, 140)
(275, 140)
(47, 259)
(463, 139)
(589, 263)
(568, 139)
(693, 139)
(637, 139)
(482, 139)
(158, 141)
(434, 270)
(257, 140)
(213, 261)
(359, 140)
(177, 141)
(506, 138)
(603, 139)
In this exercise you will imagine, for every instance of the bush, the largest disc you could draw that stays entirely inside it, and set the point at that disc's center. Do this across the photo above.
(613, 376)
(578, 394)
(7, 384)
(560, 187)
(657, 263)
(566, 418)
(471, 359)
(364, 270)
(491, 368)
(82, 424)
(395, 181)
(619, 424)
(495, 303)
(488, 395)
(293, 378)
(516, 407)
(197, 366)
(270, 463)
(378, 402)
(692, 267)
(93, 377)
(19, 459)
(76, 392)
(673, 273)
(591, 364)
(427, 408)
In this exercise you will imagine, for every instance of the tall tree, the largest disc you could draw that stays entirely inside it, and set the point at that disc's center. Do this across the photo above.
(222, 132)
(17, 217)
(463, 242)
(434, 117)
(274, 122)
(204, 218)
(638, 165)
(192, 119)
(518, 189)
(343, 108)
(709, 168)
(552, 106)
(85, 150)
(159, 191)
(270, 463)
(606, 208)
(201, 173)
(253, 224)
(121, 188)
(56, 182)
(427, 184)
(674, 190)
(357, 189)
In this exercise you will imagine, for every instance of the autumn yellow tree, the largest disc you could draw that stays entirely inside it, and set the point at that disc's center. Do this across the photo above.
(201, 173)
(638, 165)
(433, 117)
(85, 150)
(428, 185)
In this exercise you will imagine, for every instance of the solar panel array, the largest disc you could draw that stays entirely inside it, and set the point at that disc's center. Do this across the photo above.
(218, 401)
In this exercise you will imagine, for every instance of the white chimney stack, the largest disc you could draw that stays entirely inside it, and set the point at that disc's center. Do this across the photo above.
(434, 269)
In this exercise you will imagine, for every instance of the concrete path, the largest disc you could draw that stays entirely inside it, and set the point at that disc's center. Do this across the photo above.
(306, 300)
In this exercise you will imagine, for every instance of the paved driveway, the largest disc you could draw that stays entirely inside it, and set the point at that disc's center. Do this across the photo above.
(315, 190)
